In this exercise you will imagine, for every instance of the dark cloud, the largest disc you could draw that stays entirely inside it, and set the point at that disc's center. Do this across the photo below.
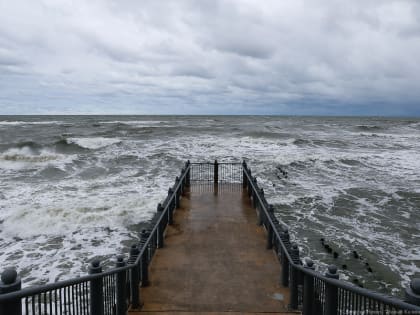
(210, 56)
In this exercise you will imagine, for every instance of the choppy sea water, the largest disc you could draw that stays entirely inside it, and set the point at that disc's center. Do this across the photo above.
(73, 188)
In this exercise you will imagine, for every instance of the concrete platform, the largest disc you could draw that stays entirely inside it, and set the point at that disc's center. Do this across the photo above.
(215, 260)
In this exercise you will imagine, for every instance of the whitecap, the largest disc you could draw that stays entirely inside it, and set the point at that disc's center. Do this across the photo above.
(94, 143)
(145, 123)
(18, 123)
(25, 154)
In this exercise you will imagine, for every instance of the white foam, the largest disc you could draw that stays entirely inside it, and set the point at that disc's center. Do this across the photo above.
(18, 123)
(16, 159)
(94, 142)
(25, 154)
(144, 123)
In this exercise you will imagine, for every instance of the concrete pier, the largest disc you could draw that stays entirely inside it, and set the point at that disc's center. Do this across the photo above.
(215, 259)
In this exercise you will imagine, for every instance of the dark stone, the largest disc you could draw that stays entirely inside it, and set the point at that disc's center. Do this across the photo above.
(415, 286)
(9, 276)
(329, 249)
(96, 263)
(355, 254)
(134, 250)
(332, 269)
(335, 254)
(332, 272)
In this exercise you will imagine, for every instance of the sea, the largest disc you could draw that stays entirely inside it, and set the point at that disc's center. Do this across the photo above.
(76, 188)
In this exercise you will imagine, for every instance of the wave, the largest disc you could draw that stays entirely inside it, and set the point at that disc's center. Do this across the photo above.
(351, 162)
(300, 141)
(320, 143)
(18, 123)
(23, 144)
(52, 172)
(67, 147)
(26, 154)
(146, 123)
(261, 134)
(326, 161)
(93, 143)
(29, 151)
(369, 127)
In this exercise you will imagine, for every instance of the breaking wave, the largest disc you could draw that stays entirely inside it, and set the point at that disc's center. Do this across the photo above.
(20, 123)
(26, 154)
(93, 143)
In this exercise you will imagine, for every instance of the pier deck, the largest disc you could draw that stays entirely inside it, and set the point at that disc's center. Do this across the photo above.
(214, 259)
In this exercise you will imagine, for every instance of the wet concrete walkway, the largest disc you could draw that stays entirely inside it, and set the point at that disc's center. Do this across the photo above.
(214, 260)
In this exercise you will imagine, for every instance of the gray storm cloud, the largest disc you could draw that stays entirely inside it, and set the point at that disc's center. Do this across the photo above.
(284, 57)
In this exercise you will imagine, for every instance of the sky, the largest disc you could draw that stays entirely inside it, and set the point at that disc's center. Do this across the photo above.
(286, 57)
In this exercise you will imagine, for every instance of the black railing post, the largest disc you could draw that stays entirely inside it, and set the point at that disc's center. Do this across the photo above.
(181, 187)
(250, 190)
(276, 241)
(254, 193)
(184, 180)
(412, 293)
(177, 193)
(261, 213)
(161, 227)
(96, 290)
(170, 207)
(188, 176)
(121, 308)
(285, 265)
(294, 277)
(255, 181)
(134, 277)
(216, 172)
(10, 282)
(308, 289)
(244, 179)
(144, 259)
(331, 292)
(270, 228)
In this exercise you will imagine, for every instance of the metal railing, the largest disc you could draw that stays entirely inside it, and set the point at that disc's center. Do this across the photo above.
(311, 291)
(100, 292)
(114, 291)
(216, 172)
